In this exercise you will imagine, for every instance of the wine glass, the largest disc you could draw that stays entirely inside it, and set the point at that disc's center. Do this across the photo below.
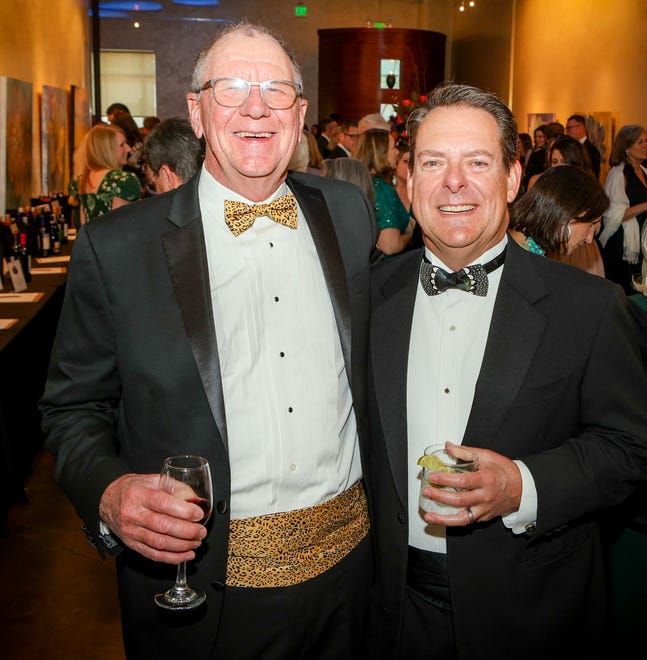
(189, 478)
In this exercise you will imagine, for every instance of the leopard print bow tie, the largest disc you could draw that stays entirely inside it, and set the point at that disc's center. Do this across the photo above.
(240, 216)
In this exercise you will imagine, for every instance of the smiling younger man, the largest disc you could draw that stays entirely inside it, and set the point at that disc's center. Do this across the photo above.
(227, 318)
(531, 364)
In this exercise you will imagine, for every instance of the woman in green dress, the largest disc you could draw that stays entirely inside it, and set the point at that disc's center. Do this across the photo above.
(102, 185)
(376, 149)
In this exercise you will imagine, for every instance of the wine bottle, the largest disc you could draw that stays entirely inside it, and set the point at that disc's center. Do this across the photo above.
(25, 257)
(64, 228)
(55, 237)
(44, 239)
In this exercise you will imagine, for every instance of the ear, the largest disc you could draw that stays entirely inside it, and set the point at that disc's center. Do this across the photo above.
(303, 106)
(193, 103)
(514, 180)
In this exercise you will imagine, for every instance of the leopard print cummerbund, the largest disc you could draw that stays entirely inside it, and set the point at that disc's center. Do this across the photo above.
(282, 549)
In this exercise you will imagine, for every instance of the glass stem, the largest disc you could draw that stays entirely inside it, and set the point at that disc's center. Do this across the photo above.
(180, 580)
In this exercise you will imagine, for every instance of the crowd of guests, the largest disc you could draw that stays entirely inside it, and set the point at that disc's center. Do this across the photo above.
(614, 248)
(117, 162)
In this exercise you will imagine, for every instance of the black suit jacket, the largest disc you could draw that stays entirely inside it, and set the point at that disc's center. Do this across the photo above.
(594, 156)
(337, 152)
(134, 375)
(561, 387)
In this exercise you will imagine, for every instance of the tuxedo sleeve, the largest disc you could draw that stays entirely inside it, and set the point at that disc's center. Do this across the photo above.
(82, 392)
(604, 463)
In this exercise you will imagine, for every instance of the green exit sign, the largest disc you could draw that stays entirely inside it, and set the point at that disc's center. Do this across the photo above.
(301, 11)
(379, 26)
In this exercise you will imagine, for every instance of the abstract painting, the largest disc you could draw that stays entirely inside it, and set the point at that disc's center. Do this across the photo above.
(54, 140)
(16, 107)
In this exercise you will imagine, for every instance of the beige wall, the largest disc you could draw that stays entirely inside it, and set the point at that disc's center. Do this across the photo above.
(588, 57)
(177, 42)
(44, 42)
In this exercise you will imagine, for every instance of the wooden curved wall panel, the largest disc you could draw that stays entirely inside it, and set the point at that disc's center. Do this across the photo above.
(349, 67)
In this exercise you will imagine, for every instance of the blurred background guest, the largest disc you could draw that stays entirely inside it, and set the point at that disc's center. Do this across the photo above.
(537, 160)
(561, 213)
(115, 109)
(306, 156)
(101, 184)
(351, 170)
(374, 120)
(346, 139)
(135, 141)
(376, 149)
(149, 125)
(576, 128)
(564, 150)
(326, 126)
(172, 154)
(626, 186)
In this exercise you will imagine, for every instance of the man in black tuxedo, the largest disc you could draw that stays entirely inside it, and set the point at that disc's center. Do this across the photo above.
(347, 140)
(576, 128)
(326, 126)
(227, 318)
(531, 364)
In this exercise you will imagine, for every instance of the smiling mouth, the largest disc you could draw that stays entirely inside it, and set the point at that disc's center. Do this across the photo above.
(457, 208)
(254, 136)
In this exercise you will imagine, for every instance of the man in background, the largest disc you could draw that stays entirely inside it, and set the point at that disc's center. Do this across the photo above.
(172, 154)
(326, 128)
(576, 128)
(347, 140)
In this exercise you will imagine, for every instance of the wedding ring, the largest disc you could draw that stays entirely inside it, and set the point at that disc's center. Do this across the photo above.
(470, 515)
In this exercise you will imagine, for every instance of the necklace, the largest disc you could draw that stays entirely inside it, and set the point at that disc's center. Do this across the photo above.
(533, 246)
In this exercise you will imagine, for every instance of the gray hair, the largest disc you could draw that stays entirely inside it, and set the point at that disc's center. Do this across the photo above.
(466, 96)
(625, 138)
(247, 30)
(351, 170)
(173, 143)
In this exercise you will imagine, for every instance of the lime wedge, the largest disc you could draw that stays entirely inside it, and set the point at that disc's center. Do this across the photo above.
(433, 463)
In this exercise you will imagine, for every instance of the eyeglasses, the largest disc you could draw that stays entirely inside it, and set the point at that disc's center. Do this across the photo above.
(233, 92)
(569, 126)
(352, 135)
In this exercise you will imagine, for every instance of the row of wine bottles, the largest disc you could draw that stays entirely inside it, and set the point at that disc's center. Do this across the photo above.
(34, 233)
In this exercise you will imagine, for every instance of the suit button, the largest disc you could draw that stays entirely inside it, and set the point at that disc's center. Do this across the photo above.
(221, 506)
(402, 518)
(216, 585)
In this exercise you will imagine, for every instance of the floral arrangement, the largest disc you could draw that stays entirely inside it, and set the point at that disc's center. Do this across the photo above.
(403, 109)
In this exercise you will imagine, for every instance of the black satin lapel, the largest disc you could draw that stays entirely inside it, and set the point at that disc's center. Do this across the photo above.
(187, 260)
(321, 227)
(515, 331)
(390, 337)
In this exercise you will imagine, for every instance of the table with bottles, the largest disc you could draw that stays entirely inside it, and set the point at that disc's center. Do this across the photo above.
(28, 319)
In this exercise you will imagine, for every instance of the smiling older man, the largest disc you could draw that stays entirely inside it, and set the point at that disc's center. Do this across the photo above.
(228, 319)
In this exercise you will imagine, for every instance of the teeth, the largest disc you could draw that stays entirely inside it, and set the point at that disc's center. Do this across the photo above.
(458, 208)
(253, 135)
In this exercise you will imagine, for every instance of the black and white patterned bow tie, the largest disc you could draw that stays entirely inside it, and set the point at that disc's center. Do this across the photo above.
(473, 279)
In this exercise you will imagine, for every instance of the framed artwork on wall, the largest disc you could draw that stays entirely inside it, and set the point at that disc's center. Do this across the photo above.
(54, 140)
(80, 117)
(16, 107)
(536, 119)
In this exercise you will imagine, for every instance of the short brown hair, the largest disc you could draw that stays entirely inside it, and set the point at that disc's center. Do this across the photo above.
(466, 96)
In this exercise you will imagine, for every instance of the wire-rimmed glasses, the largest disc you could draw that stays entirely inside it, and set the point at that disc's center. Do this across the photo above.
(233, 92)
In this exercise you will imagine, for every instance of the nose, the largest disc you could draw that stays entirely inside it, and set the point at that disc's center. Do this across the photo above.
(455, 178)
(254, 106)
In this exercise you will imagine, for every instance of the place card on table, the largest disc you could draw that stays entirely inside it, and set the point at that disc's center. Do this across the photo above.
(39, 270)
(5, 324)
(21, 297)
(52, 260)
